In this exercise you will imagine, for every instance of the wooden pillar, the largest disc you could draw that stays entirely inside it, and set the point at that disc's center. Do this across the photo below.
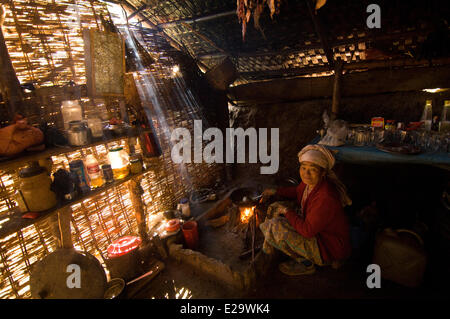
(61, 227)
(136, 192)
(336, 89)
(9, 84)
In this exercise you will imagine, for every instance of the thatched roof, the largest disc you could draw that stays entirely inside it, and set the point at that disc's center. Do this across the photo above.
(296, 42)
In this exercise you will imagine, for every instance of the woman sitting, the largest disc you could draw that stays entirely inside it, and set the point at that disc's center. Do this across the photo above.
(317, 232)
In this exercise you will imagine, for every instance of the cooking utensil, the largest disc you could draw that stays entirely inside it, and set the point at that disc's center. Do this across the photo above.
(397, 148)
(77, 133)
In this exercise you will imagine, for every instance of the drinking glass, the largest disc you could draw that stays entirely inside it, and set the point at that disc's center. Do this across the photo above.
(351, 136)
(361, 137)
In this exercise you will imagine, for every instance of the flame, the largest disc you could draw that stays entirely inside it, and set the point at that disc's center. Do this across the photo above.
(246, 213)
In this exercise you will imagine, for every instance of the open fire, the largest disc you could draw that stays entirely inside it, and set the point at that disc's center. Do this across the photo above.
(246, 213)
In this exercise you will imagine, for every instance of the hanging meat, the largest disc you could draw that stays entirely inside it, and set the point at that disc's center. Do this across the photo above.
(245, 9)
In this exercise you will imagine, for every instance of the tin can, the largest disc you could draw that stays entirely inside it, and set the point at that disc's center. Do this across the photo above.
(107, 173)
(390, 125)
(78, 168)
(135, 164)
(377, 122)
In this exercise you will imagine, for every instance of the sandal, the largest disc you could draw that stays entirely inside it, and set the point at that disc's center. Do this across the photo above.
(293, 268)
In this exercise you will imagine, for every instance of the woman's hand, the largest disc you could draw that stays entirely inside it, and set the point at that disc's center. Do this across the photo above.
(280, 211)
(268, 192)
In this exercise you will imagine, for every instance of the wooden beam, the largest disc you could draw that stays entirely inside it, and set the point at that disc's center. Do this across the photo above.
(204, 38)
(362, 65)
(60, 223)
(153, 26)
(143, 7)
(353, 84)
(196, 20)
(315, 46)
(136, 192)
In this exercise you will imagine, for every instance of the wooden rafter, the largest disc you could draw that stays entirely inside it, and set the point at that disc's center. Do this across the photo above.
(196, 20)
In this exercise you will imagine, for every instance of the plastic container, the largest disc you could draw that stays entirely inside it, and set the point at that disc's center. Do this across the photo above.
(35, 188)
(401, 256)
(71, 111)
(190, 234)
(77, 167)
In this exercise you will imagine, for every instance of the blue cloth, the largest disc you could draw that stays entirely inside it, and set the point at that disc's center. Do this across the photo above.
(372, 155)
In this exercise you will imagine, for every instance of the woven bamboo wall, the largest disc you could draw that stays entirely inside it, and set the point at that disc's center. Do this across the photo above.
(44, 39)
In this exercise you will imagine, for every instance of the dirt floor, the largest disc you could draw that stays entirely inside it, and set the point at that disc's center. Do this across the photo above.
(179, 281)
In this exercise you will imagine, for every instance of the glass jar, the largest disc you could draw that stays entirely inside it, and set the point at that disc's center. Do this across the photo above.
(362, 137)
(118, 159)
(71, 111)
(427, 115)
(96, 126)
(135, 164)
(444, 124)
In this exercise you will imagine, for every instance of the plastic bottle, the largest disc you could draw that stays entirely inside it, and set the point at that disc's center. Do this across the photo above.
(94, 172)
(444, 125)
(427, 116)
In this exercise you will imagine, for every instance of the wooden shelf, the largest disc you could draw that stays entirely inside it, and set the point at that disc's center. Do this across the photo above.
(16, 222)
(14, 163)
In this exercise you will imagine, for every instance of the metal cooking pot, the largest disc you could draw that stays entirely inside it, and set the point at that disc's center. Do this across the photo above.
(246, 196)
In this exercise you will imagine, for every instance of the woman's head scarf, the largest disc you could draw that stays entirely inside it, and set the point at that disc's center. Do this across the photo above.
(321, 156)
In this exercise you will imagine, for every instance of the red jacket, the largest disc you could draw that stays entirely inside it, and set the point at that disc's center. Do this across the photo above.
(324, 219)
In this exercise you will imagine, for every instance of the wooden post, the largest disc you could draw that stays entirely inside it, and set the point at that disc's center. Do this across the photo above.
(9, 84)
(61, 227)
(336, 89)
(321, 34)
(136, 193)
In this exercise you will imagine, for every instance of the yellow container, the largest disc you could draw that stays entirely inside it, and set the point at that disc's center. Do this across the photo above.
(35, 187)
(119, 161)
